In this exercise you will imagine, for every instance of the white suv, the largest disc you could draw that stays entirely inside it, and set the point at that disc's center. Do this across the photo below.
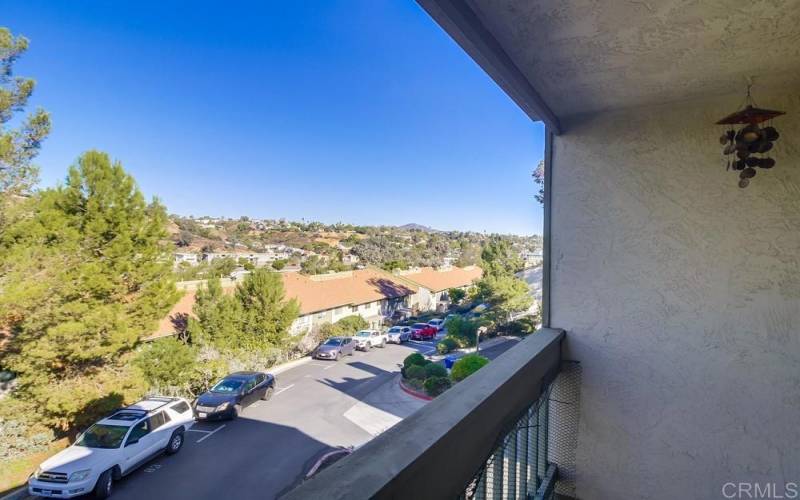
(113, 447)
(367, 339)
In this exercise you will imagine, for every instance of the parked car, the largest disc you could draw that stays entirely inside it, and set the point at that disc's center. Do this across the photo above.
(398, 334)
(232, 394)
(367, 339)
(422, 331)
(334, 348)
(437, 323)
(113, 447)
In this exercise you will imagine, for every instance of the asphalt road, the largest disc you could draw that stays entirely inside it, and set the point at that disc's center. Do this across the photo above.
(271, 446)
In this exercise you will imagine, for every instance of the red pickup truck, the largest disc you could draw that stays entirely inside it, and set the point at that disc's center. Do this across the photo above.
(422, 331)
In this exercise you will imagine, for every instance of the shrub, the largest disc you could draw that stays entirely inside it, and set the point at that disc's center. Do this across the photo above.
(435, 370)
(523, 326)
(18, 439)
(466, 366)
(436, 385)
(462, 330)
(346, 326)
(415, 372)
(447, 344)
(166, 362)
(414, 359)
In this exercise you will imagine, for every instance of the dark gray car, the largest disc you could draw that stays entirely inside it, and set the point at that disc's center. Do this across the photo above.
(334, 348)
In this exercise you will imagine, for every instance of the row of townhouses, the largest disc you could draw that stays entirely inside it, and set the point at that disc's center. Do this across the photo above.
(373, 294)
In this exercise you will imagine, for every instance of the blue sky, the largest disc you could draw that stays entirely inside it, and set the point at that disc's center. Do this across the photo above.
(360, 111)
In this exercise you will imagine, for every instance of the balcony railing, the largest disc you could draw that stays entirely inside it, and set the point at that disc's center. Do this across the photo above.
(487, 437)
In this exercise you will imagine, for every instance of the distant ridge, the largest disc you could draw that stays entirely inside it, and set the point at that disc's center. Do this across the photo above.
(418, 227)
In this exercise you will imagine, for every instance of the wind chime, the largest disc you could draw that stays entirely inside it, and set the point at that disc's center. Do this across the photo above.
(748, 148)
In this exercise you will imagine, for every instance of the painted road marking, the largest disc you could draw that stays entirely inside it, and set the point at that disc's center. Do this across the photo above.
(284, 389)
(328, 367)
(210, 433)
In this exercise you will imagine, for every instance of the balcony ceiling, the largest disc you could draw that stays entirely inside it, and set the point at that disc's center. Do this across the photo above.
(592, 55)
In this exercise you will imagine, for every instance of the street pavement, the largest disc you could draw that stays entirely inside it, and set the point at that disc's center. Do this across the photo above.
(272, 445)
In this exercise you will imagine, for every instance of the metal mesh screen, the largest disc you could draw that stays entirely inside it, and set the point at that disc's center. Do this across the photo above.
(528, 459)
(564, 401)
(518, 466)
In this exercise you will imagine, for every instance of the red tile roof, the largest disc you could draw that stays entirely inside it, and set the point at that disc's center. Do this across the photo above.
(438, 280)
(315, 293)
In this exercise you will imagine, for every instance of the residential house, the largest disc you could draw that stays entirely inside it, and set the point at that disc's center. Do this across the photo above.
(369, 293)
(434, 284)
(668, 365)
(188, 257)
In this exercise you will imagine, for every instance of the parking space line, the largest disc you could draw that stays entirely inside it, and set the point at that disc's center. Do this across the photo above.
(329, 367)
(284, 389)
(210, 433)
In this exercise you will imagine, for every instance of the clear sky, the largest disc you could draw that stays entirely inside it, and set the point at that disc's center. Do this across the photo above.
(360, 111)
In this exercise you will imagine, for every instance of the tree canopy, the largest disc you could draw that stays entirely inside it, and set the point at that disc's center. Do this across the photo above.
(256, 316)
(84, 273)
(20, 145)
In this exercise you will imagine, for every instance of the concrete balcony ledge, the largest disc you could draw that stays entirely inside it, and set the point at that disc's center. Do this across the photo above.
(436, 452)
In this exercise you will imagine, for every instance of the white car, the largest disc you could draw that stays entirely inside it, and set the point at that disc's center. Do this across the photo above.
(112, 448)
(437, 323)
(367, 339)
(398, 334)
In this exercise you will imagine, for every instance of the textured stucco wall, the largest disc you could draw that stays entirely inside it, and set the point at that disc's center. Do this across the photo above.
(593, 55)
(680, 294)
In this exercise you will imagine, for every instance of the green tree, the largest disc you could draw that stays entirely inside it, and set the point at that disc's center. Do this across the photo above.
(257, 316)
(456, 295)
(84, 273)
(505, 295)
(462, 330)
(167, 362)
(267, 313)
(538, 178)
(345, 326)
(185, 238)
(18, 146)
(498, 258)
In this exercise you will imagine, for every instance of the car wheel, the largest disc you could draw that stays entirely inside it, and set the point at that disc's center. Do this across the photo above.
(175, 442)
(104, 485)
(268, 393)
(237, 409)
(383, 344)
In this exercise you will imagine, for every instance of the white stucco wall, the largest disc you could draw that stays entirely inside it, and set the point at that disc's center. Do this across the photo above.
(680, 294)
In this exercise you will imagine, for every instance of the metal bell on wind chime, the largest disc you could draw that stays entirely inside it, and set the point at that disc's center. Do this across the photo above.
(749, 147)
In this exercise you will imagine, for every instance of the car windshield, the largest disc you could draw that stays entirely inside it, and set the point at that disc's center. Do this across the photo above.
(420, 325)
(227, 386)
(334, 342)
(395, 329)
(362, 334)
(103, 436)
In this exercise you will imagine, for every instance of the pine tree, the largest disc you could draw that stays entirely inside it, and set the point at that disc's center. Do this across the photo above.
(17, 146)
(84, 274)
(256, 317)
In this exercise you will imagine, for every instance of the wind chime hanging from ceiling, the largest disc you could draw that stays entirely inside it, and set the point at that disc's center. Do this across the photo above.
(749, 147)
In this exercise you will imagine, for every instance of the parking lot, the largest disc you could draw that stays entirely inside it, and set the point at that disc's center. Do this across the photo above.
(316, 407)
(274, 443)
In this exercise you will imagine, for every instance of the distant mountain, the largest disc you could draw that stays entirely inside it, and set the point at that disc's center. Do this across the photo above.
(418, 227)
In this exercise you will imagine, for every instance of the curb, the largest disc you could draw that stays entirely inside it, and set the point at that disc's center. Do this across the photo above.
(288, 366)
(413, 392)
(338, 451)
(18, 494)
